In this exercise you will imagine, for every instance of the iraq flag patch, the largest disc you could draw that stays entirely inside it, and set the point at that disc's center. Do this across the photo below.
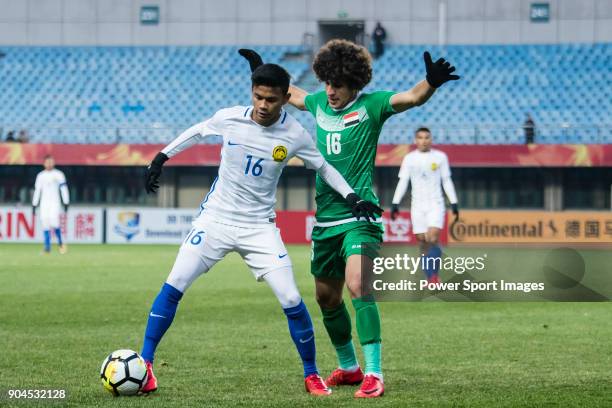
(351, 119)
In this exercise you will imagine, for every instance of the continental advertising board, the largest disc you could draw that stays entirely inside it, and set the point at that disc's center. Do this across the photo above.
(526, 227)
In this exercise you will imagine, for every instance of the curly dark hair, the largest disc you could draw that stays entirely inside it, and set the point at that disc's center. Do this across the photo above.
(342, 62)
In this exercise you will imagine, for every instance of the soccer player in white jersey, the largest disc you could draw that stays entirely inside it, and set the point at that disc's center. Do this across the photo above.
(238, 212)
(428, 171)
(50, 192)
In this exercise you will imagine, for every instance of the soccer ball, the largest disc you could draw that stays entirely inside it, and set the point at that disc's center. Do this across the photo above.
(123, 372)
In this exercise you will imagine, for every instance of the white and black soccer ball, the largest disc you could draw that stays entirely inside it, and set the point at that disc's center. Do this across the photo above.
(123, 372)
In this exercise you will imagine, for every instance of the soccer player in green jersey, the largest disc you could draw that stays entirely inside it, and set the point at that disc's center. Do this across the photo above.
(349, 123)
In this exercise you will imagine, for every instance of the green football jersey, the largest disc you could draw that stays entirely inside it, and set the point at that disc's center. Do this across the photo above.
(348, 139)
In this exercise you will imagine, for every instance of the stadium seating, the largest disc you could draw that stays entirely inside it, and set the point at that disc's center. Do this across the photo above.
(147, 94)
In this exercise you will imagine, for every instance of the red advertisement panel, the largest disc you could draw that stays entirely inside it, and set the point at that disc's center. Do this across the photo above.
(80, 224)
(296, 227)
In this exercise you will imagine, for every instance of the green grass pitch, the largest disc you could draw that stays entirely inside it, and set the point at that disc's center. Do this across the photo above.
(229, 345)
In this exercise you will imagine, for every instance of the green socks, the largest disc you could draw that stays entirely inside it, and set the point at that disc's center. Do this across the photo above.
(338, 325)
(368, 320)
(347, 359)
(371, 353)
(368, 329)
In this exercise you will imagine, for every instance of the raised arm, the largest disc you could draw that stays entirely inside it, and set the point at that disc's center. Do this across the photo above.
(438, 73)
(297, 94)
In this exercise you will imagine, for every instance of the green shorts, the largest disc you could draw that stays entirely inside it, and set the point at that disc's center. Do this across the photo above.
(331, 246)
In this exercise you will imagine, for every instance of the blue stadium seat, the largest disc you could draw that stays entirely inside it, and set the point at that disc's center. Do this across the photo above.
(147, 94)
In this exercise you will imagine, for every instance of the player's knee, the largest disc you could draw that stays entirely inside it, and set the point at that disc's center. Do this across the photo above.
(329, 300)
(178, 283)
(354, 288)
(290, 299)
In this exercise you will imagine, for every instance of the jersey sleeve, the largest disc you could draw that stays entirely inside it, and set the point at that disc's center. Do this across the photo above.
(379, 106)
(404, 181)
(311, 101)
(404, 171)
(447, 182)
(194, 134)
(63, 186)
(444, 167)
(307, 151)
(334, 179)
(37, 192)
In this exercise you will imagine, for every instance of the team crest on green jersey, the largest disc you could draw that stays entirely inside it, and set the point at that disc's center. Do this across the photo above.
(338, 123)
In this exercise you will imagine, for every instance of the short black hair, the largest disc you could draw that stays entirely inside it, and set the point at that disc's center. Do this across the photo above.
(47, 156)
(271, 75)
(422, 129)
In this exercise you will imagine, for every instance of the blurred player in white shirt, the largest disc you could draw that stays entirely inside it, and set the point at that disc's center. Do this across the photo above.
(50, 193)
(428, 171)
(237, 215)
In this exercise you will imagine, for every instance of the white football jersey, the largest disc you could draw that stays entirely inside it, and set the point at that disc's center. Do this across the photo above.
(252, 160)
(428, 172)
(50, 191)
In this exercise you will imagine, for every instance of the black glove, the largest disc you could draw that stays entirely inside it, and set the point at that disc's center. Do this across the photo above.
(362, 208)
(438, 72)
(455, 209)
(153, 172)
(252, 56)
(394, 211)
(66, 208)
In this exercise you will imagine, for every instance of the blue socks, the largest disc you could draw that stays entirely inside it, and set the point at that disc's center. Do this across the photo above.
(302, 333)
(165, 305)
(160, 319)
(431, 263)
(58, 234)
(47, 235)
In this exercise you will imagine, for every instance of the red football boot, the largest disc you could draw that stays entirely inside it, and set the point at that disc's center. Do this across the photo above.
(314, 385)
(344, 377)
(151, 384)
(371, 387)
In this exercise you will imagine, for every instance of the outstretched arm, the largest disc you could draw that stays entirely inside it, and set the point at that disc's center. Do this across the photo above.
(438, 73)
(297, 97)
(184, 141)
(416, 96)
(359, 207)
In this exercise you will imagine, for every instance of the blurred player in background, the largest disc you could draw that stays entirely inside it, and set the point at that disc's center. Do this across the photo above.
(238, 212)
(428, 171)
(50, 193)
(349, 123)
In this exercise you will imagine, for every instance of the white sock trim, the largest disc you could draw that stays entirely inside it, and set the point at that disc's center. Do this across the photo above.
(351, 369)
(377, 375)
